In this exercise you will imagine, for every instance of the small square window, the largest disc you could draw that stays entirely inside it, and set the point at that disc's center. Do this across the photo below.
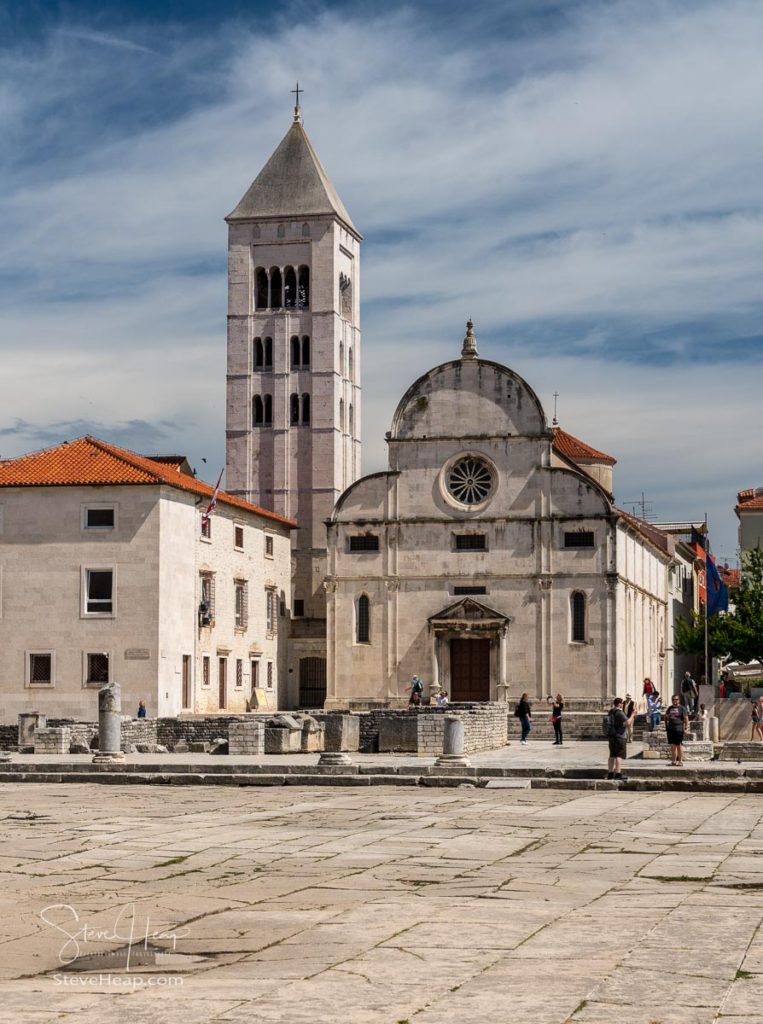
(238, 537)
(99, 518)
(40, 669)
(470, 542)
(364, 542)
(579, 539)
(99, 585)
(299, 608)
(97, 669)
(268, 546)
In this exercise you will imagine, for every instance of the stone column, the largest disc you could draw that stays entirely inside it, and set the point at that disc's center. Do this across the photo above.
(109, 724)
(453, 743)
(29, 722)
(503, 685)
(435, 687)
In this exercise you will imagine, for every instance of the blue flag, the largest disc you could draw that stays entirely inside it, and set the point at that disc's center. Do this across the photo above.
(715, 589)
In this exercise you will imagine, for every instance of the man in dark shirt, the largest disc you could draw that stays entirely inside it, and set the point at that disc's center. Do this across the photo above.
(618, 731)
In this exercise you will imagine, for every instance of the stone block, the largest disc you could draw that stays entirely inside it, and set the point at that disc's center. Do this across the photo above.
(342, 733)
(282, 741)
(219, 746)
(313, 737)
(399, 734)
(75, 747)
(52, 740)
(28, 723)
(246, 738)
(198, 747)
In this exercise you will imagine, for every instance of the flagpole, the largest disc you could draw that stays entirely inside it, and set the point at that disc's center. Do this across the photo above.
(708, 669)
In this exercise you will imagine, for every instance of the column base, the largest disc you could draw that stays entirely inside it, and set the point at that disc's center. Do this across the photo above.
(446, 760)
(108, 758)
(332, 757)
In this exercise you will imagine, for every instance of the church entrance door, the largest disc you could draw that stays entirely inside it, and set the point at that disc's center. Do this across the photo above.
(469, 670)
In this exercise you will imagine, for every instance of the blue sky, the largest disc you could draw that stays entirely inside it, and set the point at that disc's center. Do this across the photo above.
(581, 178)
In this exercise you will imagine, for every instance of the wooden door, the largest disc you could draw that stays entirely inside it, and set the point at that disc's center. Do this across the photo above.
(469, 670)
(222, 680)
(312, 682)
(186, 680)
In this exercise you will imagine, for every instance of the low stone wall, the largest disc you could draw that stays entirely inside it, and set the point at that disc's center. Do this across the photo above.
(137, 731)
(52, 740)
(420, 730)
(656, 747)
(750, 750)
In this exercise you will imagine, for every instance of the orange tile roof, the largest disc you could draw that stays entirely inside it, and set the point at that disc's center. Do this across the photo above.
(573, 448)
(87, 460)
(750, 500)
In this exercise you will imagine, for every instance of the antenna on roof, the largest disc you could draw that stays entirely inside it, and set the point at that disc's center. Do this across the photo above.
(297, 108)
(642, 507)
(555, 421)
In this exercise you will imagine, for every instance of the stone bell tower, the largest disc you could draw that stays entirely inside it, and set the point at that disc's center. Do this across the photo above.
(293, 383)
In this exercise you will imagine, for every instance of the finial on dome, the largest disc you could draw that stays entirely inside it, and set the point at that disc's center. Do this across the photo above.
(469, 350)
(297, 108)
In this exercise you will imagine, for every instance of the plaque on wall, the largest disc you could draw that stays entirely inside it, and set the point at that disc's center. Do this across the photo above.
(137, 654)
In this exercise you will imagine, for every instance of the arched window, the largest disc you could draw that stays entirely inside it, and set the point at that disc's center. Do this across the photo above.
(351, 420)
(294, 409)
(305, 230)
(341, 415)
(281, 232)
(363, 620)
(341, 359)
(304, 287)
(289, 288)
(268, 352)
(258, 354)
(578, 616)
(258, 414)
(305, 350)
(349, 363)
(275, 288)
(268, 410)
(305, 408)
(261, 288)
(295, 350)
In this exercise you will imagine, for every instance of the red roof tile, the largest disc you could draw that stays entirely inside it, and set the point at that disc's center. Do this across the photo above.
(750, 500)
(576, 449)
(90, 461)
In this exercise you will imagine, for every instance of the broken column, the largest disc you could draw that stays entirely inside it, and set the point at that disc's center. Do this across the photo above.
(29, 721)
(109, 724)
(453, 743)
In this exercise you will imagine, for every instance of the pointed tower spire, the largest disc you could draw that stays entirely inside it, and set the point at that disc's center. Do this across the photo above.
(469, 349)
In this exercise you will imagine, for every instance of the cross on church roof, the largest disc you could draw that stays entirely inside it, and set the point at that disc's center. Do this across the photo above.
(297, 112)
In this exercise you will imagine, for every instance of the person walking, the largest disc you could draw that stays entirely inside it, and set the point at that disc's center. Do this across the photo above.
(142, 709)
(654, 710)
(417, 691)
(629, 710)
(524, 712)
(617, 731)
(557, 707)
(757, 720)
(689, 693)
(676, 721)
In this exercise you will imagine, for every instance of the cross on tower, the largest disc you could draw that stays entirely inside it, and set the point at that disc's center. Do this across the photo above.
(296, 105)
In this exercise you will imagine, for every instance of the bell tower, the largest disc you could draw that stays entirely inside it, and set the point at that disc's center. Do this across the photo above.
(293, 381)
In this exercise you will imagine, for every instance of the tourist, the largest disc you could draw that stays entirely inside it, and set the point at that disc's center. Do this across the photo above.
(142, 709)
(417, 689)
(676, 720)
(523, 711)
(649, 687)
(654, 710)
(617, 732)
(557, 707)
(757, 720)
(629, 710)
(414, 701)
(689, 693)
(442, 699)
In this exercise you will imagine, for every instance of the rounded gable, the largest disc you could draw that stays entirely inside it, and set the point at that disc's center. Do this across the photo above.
(468, 398)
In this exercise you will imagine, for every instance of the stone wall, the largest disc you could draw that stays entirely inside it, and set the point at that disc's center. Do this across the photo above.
(420, 730)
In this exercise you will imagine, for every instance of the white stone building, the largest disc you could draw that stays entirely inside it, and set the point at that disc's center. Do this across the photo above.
(486, 559)
(109, 572)
(293, 401)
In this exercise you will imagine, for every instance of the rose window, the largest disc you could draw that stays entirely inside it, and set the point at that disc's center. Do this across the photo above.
(470, 481)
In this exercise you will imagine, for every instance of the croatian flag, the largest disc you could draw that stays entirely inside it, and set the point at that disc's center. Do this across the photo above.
(213, 503)
(717, 592)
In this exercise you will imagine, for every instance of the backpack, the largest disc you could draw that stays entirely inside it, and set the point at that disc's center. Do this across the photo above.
(418, 686)
(608, 724)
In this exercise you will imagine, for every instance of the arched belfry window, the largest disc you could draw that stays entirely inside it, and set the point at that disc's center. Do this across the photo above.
(305, 350)
(305, 408)
(289, 288)
(351, 420)
(268, 353)
(349, 364)
(258, 411)
(305, 230)
(261, 288)
(268, 409)
(304, 288)
(295, 350)
(294, 409)
(258, 357)
(341, 415)
(363, 620)
(578, 617)
(275, 288)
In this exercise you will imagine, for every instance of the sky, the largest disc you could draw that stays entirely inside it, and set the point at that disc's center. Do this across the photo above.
(581, 178)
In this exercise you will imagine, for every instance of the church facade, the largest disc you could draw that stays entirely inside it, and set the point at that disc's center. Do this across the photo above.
(489, 558)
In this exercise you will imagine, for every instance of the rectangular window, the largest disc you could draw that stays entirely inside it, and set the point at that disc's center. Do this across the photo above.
(239, 672)
(364, 542)
(470, 541)
(206, 527)
(207, 600)
(268, 546)
(205, 670)
(99, 518)
(270, 675)
(241, 604)
(96, 669)
(271, 612)
(464, 591)
(579, 539)
(299, 607)
(40, 669)
(238, 538)
(99, 591)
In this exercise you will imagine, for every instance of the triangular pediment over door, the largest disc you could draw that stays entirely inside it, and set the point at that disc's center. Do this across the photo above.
(468, 611)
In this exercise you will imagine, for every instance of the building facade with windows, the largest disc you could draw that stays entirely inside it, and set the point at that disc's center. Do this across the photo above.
(110, 570)
(489, 559)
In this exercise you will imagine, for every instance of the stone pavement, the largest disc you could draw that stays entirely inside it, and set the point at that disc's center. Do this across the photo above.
(383, 906)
